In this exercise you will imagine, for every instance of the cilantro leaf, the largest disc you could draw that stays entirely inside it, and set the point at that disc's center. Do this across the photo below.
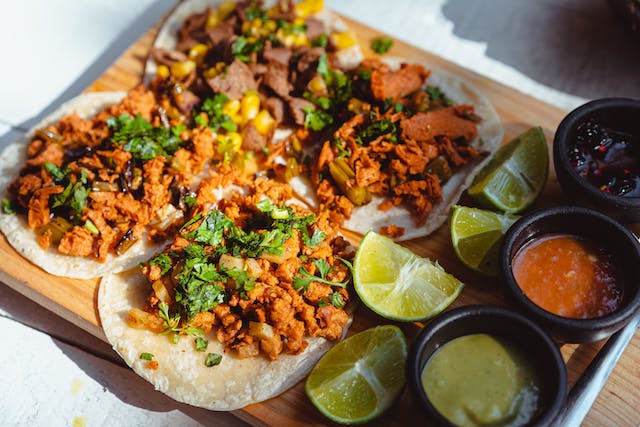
(336, 300)
(211, 230)
(304, 278)
(55, 171)
(143, 140)
(316, 119)
(213, 107)
(163, 261)
(201, 344)
(321, 41)
(242, 48)
(316, 238)
(381, 45)
(9, 207)
(213, 359)
(436, 95)
(244, 282)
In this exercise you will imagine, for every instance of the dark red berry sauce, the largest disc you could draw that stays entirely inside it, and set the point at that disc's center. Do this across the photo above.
(607, 158)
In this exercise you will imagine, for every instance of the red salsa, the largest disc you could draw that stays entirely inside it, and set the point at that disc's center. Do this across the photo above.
(569, 276)
(608, 159)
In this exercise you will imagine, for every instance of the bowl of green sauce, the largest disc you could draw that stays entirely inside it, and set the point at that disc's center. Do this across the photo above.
(486, 366)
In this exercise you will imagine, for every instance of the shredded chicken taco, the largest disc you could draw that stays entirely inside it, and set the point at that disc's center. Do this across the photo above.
(399, 149)
(249, 295)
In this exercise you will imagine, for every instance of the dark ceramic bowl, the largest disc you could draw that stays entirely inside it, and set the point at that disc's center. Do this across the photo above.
(621, 114)
(543, 354)
(605, 232)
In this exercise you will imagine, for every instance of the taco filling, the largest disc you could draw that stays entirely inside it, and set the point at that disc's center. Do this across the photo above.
(394, 137)
(251, 65)
(261, 274)
(94, 187)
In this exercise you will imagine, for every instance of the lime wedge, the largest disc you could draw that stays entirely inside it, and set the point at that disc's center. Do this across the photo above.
(516, 174)
(476, 236)
(398, 284)
(359, 378)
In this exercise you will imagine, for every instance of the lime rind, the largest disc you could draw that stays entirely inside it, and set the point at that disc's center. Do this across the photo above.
(476, 236)
(516, 175)
(399, 285)
(369, 378)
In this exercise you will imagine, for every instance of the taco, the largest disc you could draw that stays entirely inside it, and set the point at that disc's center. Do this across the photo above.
(250, 61)
(407, 144)
(100, 183)
(248, 297)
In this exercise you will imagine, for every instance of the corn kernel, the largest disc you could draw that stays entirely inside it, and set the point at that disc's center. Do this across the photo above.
(213, 19)
(236, 118)
(211, 73)
(229, 143)
(247, 163)
(317, 86)
(250, 105)
(197, 53)
(246, 26)
(256, 23)
(220, 66)
(298, 21)
(270, 25)
(231, 108)
(343, 40)
(162, 71)
(182, 69)
(288, 40)
(263, 122)
(300, 39)
(308, 7)
(225, 9)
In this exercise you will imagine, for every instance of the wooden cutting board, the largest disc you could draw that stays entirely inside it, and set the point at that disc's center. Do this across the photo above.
(76, 300)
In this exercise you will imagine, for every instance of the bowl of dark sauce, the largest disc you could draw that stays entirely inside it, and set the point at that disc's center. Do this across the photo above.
(596, 155)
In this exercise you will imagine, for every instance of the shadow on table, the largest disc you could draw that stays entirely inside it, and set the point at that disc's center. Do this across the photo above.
(570, 45)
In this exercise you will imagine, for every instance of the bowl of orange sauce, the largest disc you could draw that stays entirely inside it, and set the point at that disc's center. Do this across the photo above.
(573, 270)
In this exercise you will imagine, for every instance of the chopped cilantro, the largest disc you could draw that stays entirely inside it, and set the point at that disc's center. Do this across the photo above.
(364, 74)
(376, 129)
(316, 119)
(172, 323)
(304, 278)
(163, 261)
(9, 207)
(217, 118)
(381, 45)
(244, 282)
(213, 359)
(316, 238)
(190, 201)
(74, 196)
(436, 95)
(321, 41)
(241, 48)
(336, 300)
(201, 344)
(254, 11)
(55, 171)
(143, 140)
(211, 229)
(322, 303)
(146, 356)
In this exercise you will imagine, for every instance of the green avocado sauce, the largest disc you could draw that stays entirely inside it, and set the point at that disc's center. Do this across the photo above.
(481, 380)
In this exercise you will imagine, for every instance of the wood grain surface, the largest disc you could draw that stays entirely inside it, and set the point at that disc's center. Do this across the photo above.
(75, 300)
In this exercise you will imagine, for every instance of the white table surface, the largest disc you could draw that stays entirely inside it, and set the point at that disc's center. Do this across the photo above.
(55, 374)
